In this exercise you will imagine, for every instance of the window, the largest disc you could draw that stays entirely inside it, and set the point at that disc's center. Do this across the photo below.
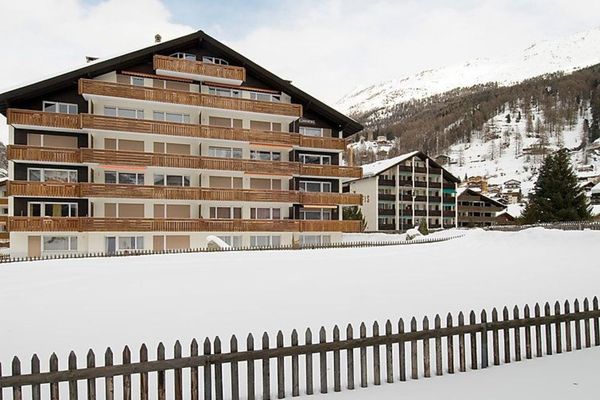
(275, 98)
(224, 92)
(171, 117)
(265, 213)
(52, 209)
(214, 60)
(308, 186)
(171, 180)
(137, 81)
(124, 243)
(265, 241)
(56, 175)
(56, 107)
(265, 155)
(184, 56)
(314, 240)
(233, 241)
(315, 213)
(225, 212)
(315, 159)
(123, 112)
(60, 243)
(124, 178)
(309, 131)
(224, 152)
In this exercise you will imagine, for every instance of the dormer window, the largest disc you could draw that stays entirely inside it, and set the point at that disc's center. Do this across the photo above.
(184, 56)
(56, 107)
(214, 60)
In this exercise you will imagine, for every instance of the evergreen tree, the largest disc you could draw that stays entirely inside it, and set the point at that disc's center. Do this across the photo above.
(557, 195)
(354, 214)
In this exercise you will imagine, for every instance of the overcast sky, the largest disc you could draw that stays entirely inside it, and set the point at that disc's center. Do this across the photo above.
(326, 47)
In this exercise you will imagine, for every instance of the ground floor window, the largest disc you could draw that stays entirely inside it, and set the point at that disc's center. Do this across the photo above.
(233, 241)
(124, 243)
(60, 243)
(265, 241)
(307, 240)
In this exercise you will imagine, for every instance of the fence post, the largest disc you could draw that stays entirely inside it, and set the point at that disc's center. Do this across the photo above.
(280, 369)
(218, 371)
(363, 357)
(35, 369)
(450, 344)
(235, 380)
(16, 370)
(266, 371)
(577, 326)
(337, 378)
(517, 335)
(309, 363)
(126, 377)
(194, 388)
(438, 346)
(473, 336)
(484, 340)
(207, 371)
(350, 359)
(548, 330)
(461, 345)
(91, 382)
(250, 368)
(426, 352)
(568, 327)
(389, 362)
(401, 352)
(557, 329)
(160, 375)
(376, 356)
(527, 334)
(506, 336)
(144, 375)
(177, 373)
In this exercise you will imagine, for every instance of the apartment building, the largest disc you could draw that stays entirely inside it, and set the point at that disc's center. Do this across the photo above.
(404, 191)
(477, 210)
(162, 147)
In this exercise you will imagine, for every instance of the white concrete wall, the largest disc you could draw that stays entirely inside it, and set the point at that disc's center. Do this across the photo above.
(368, 188)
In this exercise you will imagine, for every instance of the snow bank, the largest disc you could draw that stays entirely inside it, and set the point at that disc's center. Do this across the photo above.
(217, 242)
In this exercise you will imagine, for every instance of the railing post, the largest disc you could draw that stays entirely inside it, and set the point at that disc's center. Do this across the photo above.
(484, 340)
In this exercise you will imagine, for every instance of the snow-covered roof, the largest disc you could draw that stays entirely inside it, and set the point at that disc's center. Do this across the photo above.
(378, 167)
(596, 189)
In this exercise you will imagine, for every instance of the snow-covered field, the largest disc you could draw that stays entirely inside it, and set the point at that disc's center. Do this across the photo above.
(60, 305)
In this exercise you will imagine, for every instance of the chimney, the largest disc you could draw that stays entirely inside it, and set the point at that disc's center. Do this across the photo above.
(157, 38)
(89, 59)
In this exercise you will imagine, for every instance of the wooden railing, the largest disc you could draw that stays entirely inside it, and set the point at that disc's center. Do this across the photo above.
(112, 157)
(111, 89)
(89, 224)
(41, 118)
(347, 358)
(3, 201)
(199, 68)
(63, 189)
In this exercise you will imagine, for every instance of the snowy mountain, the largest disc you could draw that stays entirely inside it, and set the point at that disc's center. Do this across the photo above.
(566, 55)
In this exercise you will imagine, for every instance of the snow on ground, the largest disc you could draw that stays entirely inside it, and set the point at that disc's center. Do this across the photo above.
(558, 377)
(395, 237)
(59, 305)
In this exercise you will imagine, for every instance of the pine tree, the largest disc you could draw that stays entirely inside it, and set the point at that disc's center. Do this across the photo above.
(557, 195)
(354, 214)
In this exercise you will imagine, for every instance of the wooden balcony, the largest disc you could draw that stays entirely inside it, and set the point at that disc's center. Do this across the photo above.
(100, 122)
(111, 89)
(3, 201)
(85, 224)
(112, 157)
(46, 119)
(4, 236)
(198, 70)
(71, 190)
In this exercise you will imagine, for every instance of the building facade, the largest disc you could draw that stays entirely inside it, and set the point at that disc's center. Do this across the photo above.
(404, 191)
(476, 209)
(163, 147)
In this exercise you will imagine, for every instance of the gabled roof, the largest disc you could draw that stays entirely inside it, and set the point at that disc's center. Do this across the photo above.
(376, 168)
(67, 79)
(478, 193)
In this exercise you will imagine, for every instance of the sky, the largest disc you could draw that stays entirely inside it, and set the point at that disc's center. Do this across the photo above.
(326, 47)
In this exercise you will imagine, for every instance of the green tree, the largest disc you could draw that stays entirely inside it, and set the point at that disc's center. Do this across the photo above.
(354, 214)
(423, 230)
(557, 195)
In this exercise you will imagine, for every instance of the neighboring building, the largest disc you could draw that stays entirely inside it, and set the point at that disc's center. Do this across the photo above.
(401, 192)
(504, 218)
(476, 182)
(443, 159)
(162, 147)
(476, 209)
(511, 191)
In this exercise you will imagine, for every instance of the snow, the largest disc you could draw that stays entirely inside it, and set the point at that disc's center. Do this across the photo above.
(74, 304)
(220, 243)
(558, 377)
(567, 54)
(596, 189)
(516, 209)
(378, 167)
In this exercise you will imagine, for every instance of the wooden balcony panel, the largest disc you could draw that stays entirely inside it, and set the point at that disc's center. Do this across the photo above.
(4, 201)
(330, 199)
(199, 68)
(4, 236)
(44, 189)
(46, 119)
(55, 155)
(111, 89)
(322, 143)
(330, 170)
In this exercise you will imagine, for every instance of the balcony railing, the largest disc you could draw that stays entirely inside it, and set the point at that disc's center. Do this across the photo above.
(199, 68)
(62, 189)
(111, 89)
(112, 157)
(101, 122)
(86, 224)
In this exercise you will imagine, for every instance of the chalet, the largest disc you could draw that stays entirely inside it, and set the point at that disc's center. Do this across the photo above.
(511, 191)
(476, 210)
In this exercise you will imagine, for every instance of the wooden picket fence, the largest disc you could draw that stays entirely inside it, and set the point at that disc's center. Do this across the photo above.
(393, 355)
(337, 245)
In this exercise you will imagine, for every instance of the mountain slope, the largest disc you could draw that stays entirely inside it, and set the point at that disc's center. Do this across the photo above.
(566, 55)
